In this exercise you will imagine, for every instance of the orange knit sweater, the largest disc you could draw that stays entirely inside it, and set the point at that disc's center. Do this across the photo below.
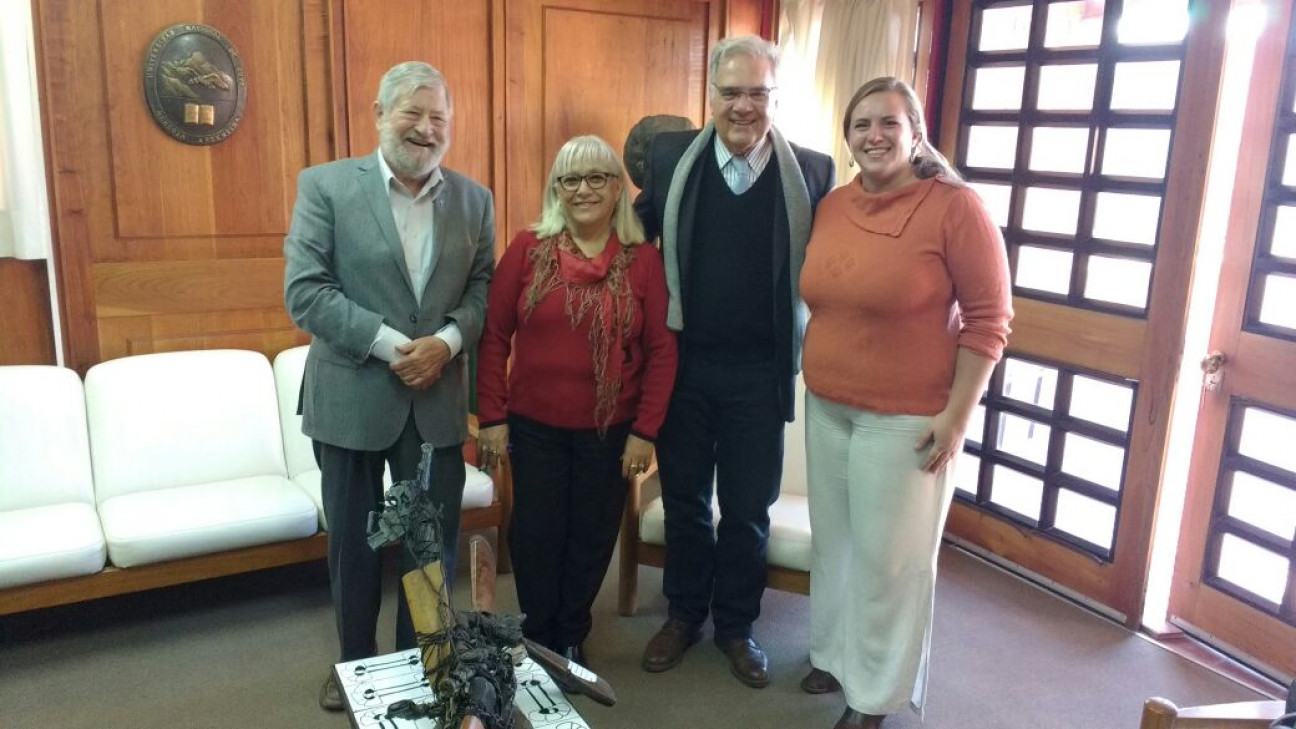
(896, 282)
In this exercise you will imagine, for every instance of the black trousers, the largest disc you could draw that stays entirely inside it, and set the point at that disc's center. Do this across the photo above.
(568, 495)
(351, 486)
(724, 426)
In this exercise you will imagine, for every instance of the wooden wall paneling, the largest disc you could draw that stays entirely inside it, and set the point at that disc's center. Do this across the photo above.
(751, 17)
(652, 60)
(164, 188)
(72, 102)
(146, 226)
(26, 326)
(455, 37)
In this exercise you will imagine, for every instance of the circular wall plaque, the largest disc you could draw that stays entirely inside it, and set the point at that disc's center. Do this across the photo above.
(194, 84)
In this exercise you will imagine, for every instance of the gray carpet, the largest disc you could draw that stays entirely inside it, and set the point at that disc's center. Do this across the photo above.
(251, 651)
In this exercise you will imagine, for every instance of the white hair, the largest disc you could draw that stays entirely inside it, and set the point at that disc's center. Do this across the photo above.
(404, 79)
(744, 45)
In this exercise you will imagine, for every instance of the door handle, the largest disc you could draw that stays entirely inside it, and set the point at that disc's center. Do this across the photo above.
(1212, 366)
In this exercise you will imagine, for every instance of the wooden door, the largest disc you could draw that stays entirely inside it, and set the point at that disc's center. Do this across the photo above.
(595, 67)
(1086, 128)
(1235, 574)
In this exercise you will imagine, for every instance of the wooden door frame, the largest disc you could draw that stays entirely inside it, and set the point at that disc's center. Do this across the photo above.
(1148, 350)
(1250, 373)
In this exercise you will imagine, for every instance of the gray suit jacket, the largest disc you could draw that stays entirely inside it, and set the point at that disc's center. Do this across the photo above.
(345, 275)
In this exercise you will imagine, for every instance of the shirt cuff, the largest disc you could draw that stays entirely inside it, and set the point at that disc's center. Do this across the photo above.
(384, 344)
(453, 338)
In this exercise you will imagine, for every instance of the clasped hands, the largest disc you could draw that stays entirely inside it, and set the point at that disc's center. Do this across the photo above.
(422, 361)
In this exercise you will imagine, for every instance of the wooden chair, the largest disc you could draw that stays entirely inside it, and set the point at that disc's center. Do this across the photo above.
(1160, 713)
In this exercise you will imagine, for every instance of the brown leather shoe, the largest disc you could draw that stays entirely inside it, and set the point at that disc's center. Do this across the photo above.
(666, 649)
(853, 719)
(747, 661)
(819, 682)
(330, 698)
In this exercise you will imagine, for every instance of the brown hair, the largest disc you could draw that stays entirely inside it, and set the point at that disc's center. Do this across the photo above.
(927, 162)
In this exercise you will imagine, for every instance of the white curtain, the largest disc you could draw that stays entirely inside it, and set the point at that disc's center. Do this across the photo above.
(830, 48)
(24, 209)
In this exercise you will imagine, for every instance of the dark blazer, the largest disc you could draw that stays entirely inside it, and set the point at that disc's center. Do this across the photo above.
(667, 205)
(345, 275)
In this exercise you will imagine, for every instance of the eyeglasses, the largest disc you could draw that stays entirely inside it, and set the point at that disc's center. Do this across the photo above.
(595, 180)
(759, 95)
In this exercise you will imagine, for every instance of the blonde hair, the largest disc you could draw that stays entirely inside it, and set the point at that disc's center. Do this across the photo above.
(583, 154)
(927, 162)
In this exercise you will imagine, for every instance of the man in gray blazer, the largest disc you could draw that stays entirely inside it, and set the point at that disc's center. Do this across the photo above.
(388, 261)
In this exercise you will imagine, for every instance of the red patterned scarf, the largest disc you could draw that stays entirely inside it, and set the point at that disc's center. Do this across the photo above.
(598, 288)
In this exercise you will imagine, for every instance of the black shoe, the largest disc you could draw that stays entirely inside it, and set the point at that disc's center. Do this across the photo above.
(575, 654)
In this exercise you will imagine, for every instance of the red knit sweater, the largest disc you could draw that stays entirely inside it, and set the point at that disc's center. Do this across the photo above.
(896, 282)
(552, 377)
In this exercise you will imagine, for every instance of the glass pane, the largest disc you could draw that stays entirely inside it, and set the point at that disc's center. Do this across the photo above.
(1059, 149)
(1023, 438)
(1289, 167)
(996, 198)
(1030, 383)
(1118, 280)
(1104, 403)
(967, 471)
(1072, 24)
(1124, 217)
(1066, 88)
(1044, 269)
(1005, 29)
(1278, 307)
(1136, 153)
(994, 147)
(1268, 436)
(1263, 504)
(1092, 521)
(1050, 210)
(1283, 243)
(1152, 22)
(1094, 461)
(1146, 85)
(1017, 492)
(998, 89)
(1252, 568)
(976, 425)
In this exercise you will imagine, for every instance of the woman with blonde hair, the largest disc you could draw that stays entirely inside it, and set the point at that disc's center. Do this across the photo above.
(580, 304)
(906, 278)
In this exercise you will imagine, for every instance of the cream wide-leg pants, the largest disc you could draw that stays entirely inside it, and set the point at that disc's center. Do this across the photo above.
(876, 520)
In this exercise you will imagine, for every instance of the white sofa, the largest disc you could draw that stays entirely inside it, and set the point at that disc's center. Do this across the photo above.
(48, 525)
(162, 469)
(643, 529)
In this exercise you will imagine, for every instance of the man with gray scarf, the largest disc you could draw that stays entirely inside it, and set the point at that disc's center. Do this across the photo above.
(733, 205)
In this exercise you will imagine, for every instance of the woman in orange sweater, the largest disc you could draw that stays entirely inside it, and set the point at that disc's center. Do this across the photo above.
(907, 282)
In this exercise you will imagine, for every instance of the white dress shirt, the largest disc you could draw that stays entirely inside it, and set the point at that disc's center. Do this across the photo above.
(729, 163)
(415, 216)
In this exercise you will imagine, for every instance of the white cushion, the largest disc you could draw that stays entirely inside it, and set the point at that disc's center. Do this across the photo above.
(289, 367)
(184, 521)
(49, 543)
(44, 449)
(159, 421)
(479, 489)
(789, 542)
(309, 481)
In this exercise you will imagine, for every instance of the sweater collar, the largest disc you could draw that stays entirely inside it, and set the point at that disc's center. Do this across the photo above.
(886, 213)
